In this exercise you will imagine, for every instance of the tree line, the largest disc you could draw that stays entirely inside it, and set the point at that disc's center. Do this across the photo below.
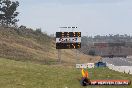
(108, 38)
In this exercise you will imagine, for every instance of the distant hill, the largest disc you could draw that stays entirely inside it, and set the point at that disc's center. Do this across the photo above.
(25, 44)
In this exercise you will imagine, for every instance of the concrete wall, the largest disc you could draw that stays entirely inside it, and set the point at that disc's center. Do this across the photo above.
(124, 69)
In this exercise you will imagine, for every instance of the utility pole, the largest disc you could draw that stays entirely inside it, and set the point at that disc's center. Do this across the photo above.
(59, 56)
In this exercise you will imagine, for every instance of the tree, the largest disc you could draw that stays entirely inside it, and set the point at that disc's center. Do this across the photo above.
(8, 12)
(38, 30)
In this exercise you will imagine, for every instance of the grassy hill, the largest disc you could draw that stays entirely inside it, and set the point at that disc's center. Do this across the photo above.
(16, 74)
(25, 44)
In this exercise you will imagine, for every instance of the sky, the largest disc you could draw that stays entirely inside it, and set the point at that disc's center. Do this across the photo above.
(92, 17)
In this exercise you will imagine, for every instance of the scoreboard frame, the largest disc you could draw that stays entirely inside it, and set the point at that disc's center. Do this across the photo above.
(68, 40)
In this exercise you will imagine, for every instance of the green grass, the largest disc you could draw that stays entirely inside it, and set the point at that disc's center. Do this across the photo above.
(16, 74)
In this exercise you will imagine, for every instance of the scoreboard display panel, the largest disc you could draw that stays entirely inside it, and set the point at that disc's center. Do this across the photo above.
(68, 45)
(67, 34)
(68, 40)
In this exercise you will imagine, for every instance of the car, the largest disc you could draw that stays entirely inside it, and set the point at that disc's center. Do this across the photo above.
(100, 64)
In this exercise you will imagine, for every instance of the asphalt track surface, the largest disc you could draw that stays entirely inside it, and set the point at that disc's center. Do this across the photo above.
(118, 61)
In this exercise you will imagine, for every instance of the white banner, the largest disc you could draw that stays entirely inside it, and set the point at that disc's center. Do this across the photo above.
(68, 40)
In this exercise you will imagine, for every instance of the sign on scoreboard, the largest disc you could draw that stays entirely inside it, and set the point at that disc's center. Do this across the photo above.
(68, 40)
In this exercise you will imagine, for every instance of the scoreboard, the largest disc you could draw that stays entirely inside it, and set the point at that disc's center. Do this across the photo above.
(68, 40)
(68, 34)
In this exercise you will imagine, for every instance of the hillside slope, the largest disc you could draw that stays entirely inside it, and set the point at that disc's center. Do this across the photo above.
(25, 44)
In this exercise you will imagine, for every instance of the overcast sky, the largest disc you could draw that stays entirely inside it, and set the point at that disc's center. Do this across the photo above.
(92, 17)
